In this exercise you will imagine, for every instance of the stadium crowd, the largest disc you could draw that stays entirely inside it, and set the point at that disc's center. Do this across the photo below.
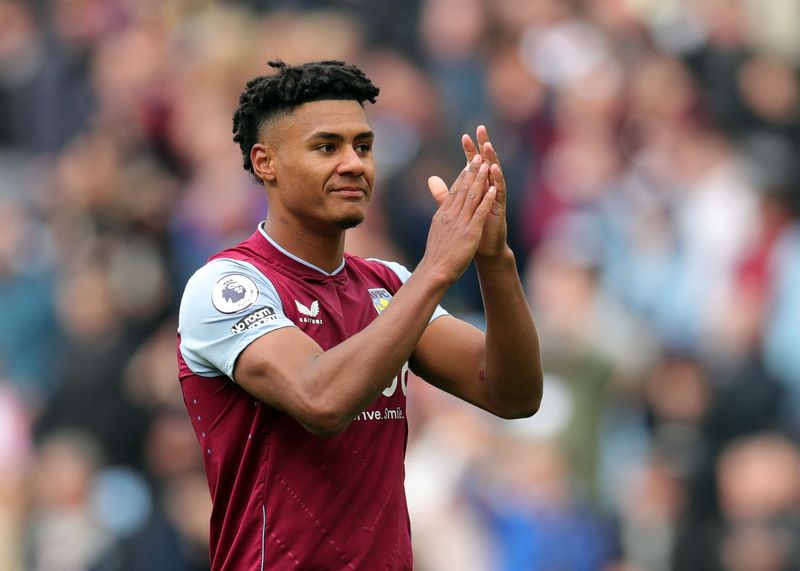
(651, 148)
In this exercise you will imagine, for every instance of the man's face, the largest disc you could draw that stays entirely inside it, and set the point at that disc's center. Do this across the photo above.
(324, 169)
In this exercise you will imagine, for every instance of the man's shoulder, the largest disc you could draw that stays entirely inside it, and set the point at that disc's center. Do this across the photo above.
(250, 256)
(243, 251)
(242, 266)
(385, 267)
(231, 286)
(370, 262)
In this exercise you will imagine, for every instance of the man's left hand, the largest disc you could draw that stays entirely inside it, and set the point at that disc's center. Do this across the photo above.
(493, 239)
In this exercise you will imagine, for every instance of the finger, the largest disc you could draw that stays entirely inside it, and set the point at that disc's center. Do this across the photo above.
(489, 153)
(499, 181)
(470, 150)
(443, 195)
(482, 134)
(476, 192)
(484, 208)
(462, 187)
(438, 189)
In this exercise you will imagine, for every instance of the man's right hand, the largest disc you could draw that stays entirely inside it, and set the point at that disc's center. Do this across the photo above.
(457, 226)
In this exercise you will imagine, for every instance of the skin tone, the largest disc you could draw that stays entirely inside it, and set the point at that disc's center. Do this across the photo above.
(318, 170)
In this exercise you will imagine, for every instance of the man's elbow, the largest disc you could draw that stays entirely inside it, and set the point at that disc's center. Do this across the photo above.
(323, 420)
(519, 409)
(521, 405)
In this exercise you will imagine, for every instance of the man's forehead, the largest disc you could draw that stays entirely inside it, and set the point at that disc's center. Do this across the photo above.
(344, 117)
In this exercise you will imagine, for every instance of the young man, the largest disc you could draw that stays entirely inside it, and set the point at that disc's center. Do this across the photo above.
(294, 355)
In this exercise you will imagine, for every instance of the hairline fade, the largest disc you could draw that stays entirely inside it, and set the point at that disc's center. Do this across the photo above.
(268, 96)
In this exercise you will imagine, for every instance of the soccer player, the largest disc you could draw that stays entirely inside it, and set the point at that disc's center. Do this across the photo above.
(294, 355)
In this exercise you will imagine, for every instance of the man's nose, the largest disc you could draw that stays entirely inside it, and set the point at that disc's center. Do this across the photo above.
(351, 164)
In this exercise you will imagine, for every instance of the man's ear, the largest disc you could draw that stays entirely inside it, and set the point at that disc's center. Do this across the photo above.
(262, 156)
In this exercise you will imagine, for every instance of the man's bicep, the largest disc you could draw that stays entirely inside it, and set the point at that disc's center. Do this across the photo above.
(450, 356)
(271, 368)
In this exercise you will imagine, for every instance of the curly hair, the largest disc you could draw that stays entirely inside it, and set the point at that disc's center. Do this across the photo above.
(268, 96)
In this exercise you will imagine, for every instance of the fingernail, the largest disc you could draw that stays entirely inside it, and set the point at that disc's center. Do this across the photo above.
(476, 159)
(484, 168)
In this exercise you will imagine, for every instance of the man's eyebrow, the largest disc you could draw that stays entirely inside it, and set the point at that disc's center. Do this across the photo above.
(324, 135)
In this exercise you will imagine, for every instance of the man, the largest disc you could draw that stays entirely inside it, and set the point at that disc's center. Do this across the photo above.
(294, 356)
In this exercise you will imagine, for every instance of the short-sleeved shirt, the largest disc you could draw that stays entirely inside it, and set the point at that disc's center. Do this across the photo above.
(282, 497)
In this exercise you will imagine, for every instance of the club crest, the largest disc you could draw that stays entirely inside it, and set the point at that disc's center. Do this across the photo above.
(380, 299)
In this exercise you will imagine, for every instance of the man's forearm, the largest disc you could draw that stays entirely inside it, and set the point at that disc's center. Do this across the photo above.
(352, 374)
(513, 366)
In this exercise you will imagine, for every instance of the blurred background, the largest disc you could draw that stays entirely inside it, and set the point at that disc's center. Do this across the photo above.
(651, 149)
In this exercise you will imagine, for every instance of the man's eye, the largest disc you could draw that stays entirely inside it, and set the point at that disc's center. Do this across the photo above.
(364, 148)
(327, 148)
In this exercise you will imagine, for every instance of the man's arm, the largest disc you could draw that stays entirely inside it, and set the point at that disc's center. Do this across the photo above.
(325, 390)
(501, 370)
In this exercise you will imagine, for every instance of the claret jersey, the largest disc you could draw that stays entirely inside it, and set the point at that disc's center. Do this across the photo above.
(282, 497)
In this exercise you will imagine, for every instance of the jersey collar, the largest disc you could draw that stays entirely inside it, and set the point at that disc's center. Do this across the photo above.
(295, 258)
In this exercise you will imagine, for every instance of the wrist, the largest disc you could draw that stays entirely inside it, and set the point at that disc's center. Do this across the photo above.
(503, 257)
(438, 279)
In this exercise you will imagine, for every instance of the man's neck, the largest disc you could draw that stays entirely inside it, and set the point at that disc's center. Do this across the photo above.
(326, 251)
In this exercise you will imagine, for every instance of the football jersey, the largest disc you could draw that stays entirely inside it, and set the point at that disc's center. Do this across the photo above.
(282, 497)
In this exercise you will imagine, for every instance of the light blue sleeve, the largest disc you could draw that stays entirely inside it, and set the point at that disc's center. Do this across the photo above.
(227, 304)
(402, 272)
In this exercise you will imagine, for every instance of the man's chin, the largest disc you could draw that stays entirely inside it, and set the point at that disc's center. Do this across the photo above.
(349, 222)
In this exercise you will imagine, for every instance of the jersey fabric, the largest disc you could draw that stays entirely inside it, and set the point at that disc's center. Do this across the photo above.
(282, 497)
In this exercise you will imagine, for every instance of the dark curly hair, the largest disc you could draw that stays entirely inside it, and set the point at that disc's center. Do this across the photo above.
(268, 96)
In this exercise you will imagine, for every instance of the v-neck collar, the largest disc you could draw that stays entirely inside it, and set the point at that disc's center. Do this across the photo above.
(295, 262)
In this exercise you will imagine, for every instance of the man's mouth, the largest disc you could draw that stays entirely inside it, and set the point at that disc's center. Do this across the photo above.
(350, 191)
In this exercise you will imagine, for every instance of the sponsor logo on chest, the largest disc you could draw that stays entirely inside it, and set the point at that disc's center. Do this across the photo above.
(400, 381)
(310, 313)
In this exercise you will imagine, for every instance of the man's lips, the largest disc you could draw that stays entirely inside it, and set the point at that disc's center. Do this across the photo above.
(350, 191)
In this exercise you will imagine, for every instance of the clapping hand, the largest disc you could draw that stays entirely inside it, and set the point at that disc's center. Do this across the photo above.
(493, 238)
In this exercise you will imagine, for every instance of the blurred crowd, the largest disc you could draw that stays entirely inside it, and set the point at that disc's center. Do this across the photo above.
(651, 149)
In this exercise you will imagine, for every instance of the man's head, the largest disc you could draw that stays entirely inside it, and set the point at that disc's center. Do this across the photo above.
(268, 96)
(303, 132)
